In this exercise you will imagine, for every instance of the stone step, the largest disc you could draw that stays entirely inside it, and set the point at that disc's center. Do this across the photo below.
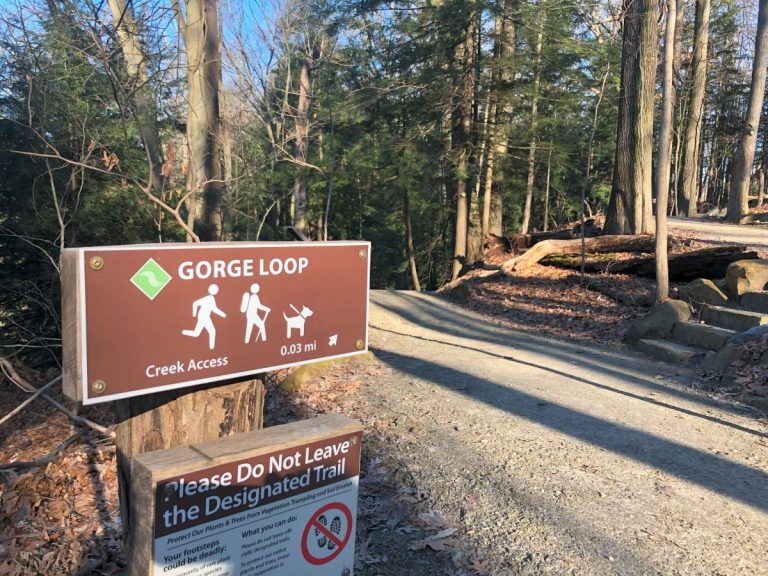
(739, 320)
(701, 335)
(755, 301)
(669, 351)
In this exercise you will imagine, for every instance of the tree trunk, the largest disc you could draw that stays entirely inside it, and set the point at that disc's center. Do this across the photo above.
(496, 220)
(763, 167)
(179, 418)
(629, 209)
(501, 76)
(142, 100)
(490, 162)
(663, 163)
(532, 147)
(478, 142)
(475, 233)
(301, 128)
(201, 37)
(546, 189)
(586, 188)
(228, 186)
(409, 241)
(462, 141)
(738, 197)
(689, 190)
(678, 130)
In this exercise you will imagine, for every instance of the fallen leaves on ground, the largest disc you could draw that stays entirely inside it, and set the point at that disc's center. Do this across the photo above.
(393, 517)
(440, 541)
(553, 301)
(62, 518)
(750, 382)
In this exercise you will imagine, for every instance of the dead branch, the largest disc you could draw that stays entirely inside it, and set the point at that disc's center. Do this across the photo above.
(13, 376)
(47, 459)
(10, 373)
(29, 400)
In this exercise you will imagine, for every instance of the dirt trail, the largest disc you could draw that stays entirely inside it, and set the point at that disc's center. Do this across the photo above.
(706, 230)
(565, 459)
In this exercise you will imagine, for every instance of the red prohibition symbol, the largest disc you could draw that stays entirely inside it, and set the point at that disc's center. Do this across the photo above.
(327, 532)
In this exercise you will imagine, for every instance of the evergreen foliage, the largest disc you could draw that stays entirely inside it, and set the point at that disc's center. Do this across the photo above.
(388, 84)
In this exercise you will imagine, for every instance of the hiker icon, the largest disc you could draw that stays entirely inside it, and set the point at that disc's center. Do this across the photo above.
(296, 322)
(251, 306)
(202, 308)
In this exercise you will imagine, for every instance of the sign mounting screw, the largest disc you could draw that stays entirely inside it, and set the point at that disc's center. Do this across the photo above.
(96, 263)
(359, 344)
(363, 254)
(99, 386)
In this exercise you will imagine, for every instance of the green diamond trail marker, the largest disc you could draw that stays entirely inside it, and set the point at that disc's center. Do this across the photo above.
(151, 279)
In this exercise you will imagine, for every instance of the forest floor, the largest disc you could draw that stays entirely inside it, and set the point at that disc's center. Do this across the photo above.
(63, 517)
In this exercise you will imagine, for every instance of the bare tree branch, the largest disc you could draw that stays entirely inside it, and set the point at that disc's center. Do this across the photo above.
(10, 373)
(47, 459)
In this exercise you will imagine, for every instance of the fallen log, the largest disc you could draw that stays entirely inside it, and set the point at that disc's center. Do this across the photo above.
(600, 244)
(706, 263)
(521, 242)
(590, 231)
(623, 296)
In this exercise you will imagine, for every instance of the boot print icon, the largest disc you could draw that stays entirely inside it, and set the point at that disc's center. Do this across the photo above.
(335, 528)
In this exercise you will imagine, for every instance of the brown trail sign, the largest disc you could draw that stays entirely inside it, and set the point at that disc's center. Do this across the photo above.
(147, 318)
(281, 501)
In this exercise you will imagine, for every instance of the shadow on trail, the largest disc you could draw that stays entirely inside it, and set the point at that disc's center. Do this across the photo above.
(659, 403)
(611, 362)
(731, 479)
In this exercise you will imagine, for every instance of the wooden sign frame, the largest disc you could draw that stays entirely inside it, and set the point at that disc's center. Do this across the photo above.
(105, 308)
(152, 473)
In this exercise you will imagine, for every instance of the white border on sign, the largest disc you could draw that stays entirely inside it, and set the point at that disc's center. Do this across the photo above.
(179, 245)
(83, 325)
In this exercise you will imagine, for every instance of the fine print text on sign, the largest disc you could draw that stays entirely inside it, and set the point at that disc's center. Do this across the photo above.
(279, 510)
(139, 319)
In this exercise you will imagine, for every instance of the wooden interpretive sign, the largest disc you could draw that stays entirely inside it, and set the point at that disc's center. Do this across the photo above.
(146, 318)
(280, 501)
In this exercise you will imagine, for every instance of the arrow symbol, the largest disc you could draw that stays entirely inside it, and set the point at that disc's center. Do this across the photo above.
(333, 340)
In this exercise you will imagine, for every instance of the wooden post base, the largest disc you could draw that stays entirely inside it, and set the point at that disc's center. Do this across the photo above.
(179, 418)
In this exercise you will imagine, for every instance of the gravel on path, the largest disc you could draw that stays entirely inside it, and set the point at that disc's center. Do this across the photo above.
(560, 458)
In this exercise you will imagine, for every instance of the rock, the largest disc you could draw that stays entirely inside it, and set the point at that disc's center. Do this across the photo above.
(702, 291)
(703, 335)
(732, 318)
(746, 276)
(755, 301)
(720, 283)
(759, 403)
(658, 323)
(668, 350)
(721, 361)
(750, 335)
(461, 292)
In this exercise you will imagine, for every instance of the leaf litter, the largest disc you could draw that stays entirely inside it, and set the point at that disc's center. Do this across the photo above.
(63, 518)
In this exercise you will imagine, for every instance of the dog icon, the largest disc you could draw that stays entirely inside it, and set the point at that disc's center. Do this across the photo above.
(296, 322)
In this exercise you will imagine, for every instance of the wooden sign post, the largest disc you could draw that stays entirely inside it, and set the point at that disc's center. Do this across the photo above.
(279, 501)
(151, 318)
(143, 325)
